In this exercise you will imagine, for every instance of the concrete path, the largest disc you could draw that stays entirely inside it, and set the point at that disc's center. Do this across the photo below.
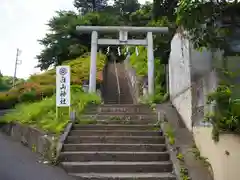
(19, 163)
(184, 139)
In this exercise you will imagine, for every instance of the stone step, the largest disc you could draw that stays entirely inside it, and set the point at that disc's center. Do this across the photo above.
(123, 176)
(116, 113)
(122, 116)
(114, 133)
(115, 110)
(114, 156)
(115, 147)
(124, 105)
(116, 139)
(113, 127)
(120, 167)
(125, 108)
(116, 121)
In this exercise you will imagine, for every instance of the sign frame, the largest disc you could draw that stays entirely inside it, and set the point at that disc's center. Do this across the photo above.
(63, 87)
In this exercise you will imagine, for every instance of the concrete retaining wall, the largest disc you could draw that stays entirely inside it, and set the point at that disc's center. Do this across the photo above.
(223, 156)
(133, 81)
(33, 138)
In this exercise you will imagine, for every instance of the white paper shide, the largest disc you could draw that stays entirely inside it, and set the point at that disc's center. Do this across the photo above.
(63, 86)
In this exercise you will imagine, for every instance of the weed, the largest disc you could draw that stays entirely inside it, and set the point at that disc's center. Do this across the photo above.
(180, 157)
(170, 134)
(34, 148)
(198, 156)
(184, 174)
(115, 118)
(86, 121)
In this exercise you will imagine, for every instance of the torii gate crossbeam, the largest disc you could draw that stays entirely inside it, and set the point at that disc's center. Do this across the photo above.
(123, 40)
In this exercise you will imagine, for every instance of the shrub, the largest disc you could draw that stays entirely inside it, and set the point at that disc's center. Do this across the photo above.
(47, 78)
(47, 90)
(226, 116)
(25, 87)
(8, 100)
(76, 89)
(28, 96)
(27, 92)
(139, 63)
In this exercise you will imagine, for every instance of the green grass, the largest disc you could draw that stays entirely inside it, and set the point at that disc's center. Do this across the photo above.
(42, 114)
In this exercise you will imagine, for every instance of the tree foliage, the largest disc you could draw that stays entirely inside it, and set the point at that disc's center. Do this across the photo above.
(86, 6)
(209, 23)
(63, 42)
(6, 82)
(164, 8)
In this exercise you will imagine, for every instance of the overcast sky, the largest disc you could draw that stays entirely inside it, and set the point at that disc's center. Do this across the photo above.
(22, 24)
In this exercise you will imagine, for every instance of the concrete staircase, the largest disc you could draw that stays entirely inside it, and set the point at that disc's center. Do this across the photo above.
(122, 142)
(110, 86)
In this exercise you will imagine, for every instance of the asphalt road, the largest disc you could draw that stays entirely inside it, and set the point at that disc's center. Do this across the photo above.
(19, 163)
(2, 112)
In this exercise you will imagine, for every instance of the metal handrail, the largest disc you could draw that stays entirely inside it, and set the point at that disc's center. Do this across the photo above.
(118, 85)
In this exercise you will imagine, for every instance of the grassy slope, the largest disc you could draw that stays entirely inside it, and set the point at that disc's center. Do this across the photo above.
(43, 85)
(42, 114)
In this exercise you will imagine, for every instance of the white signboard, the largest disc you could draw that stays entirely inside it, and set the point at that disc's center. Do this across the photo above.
(63, 86)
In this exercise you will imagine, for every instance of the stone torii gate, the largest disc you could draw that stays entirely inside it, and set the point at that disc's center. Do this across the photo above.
(123, 40)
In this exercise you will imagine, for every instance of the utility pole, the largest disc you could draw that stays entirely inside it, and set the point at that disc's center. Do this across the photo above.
(17, 62)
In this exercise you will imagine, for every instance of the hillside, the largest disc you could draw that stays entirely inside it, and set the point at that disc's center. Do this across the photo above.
(40, 86)
(35, 99)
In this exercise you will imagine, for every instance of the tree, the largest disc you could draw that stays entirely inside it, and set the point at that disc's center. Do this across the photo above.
(86, 6)
(124, 8)
(207, 26)
(142, 16)
(63, 43)
(164, 8)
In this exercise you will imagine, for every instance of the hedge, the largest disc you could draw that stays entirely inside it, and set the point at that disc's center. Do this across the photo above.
(20, 94)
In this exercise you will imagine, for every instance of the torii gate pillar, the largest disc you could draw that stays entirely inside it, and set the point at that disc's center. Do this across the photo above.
(93, 63)
(150, 63)
(123, 40)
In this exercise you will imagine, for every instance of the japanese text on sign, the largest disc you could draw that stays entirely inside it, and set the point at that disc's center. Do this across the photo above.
(63, 86)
